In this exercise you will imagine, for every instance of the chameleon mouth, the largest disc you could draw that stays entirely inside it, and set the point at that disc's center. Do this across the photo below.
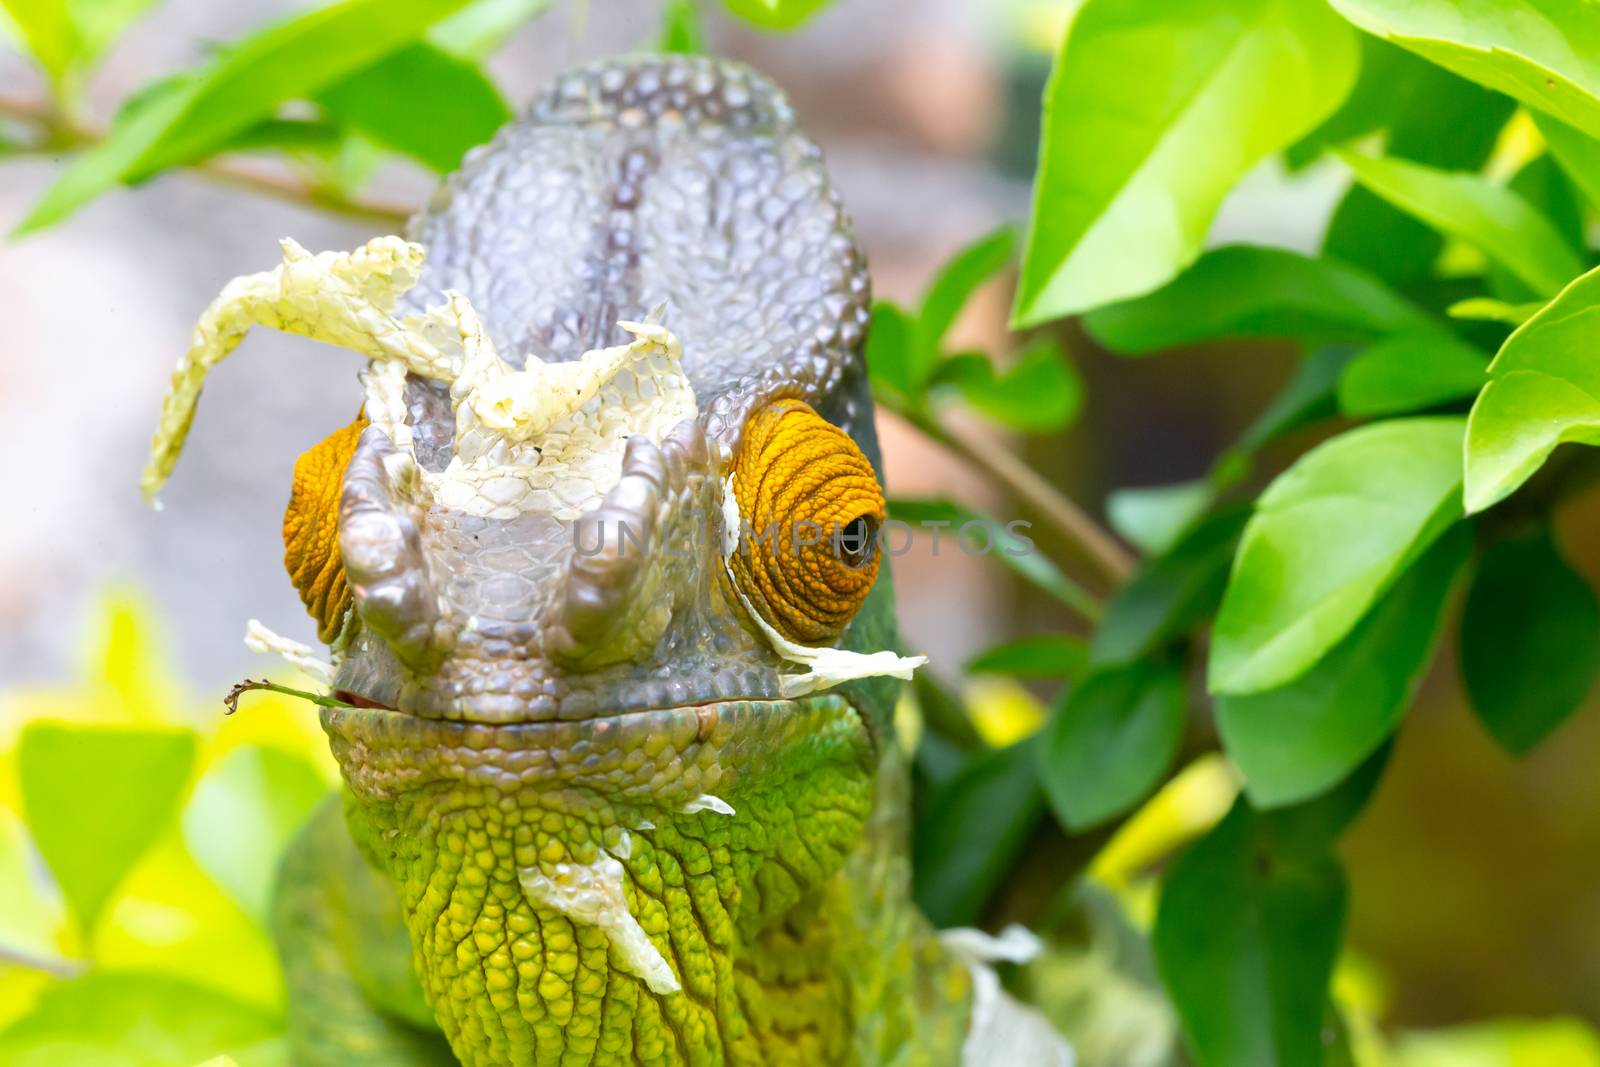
(632, 764)
(356, 700)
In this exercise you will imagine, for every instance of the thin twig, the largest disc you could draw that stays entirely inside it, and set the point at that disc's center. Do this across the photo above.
(295, 192)
(56, 133)
(246, 686)
(1103, 550)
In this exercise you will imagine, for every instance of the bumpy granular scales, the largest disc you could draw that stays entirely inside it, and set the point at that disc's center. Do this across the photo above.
(311, 529)
(803, 487)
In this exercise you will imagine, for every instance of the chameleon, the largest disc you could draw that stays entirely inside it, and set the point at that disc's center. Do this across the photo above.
(612, 667)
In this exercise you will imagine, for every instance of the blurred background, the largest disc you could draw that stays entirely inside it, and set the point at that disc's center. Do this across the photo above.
(1475, 878)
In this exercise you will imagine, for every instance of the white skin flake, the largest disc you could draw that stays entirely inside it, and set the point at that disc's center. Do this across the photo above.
(592, 894)
(707, 802)
(257, 638)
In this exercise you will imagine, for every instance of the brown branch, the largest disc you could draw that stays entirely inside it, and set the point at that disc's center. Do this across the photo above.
(999, 463)
(55, 132)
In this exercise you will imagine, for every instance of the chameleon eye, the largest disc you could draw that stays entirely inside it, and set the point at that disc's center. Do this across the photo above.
(311, 528)
(810, 511)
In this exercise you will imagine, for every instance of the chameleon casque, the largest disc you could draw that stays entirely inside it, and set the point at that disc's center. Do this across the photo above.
(622, 776)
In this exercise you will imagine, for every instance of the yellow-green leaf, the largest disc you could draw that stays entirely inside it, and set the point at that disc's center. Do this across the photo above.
(1544, 389)
(1155, 109)
(1410, 372)
(1545, 53)
(1492, 218)
(422, 102)
(1329, 535)
(776, 14)
(95, 798)
(197, 113)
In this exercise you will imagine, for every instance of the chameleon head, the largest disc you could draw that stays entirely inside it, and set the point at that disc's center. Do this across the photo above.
(605, 626)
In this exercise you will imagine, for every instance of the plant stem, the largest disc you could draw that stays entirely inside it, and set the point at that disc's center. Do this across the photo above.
(1071, 521)
(246, 686)
(56, 132)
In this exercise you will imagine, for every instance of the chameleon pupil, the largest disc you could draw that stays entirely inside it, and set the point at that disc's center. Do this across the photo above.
(858, 540)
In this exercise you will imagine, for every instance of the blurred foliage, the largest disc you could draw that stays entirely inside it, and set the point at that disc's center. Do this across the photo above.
(1193, 900)
(139, 837)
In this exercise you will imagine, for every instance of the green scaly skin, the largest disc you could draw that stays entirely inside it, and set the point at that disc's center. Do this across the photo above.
(789, 923)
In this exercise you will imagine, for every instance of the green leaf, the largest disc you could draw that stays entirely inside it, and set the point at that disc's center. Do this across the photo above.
(1155, 109)
(312, 136)
(480, 28)
(1050, 656)
(102, 167)
(1169, 594)
(199, 112)
(775, 14)
(1329, 535)
(295, 59)
(421, 102)
(1491, 218)
(1546, 53)
(1298, 740)
(1009, 543)
(1530, 641)
(896, 363)
(1487, 309)
(135, 1019)
(1544, 185)
(1310, 395)
(47, 29)
(67, 36)
(1154, 517)
(1039, 393)
(1577, 153)
(1312, 827)
(243, 813)
(95, 799)
(1253, 291)
(1245, 939)
(101, 22)
(1388, 84)
(1110, 741)
(1409, 372)
(1444, 122)
(968, 269)
(971, 831)
(1544, 389)
(681, 31)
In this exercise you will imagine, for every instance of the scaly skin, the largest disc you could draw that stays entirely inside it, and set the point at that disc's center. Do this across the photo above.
(639, 805)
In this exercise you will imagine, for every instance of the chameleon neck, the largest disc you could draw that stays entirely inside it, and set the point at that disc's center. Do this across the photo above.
(715, 884)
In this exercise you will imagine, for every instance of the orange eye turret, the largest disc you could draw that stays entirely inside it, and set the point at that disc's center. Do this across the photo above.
(810, 508)
(311, 528)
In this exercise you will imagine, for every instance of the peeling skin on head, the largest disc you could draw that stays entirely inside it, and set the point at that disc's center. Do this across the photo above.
(548, 437)
(829, 666)
(592, 894)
